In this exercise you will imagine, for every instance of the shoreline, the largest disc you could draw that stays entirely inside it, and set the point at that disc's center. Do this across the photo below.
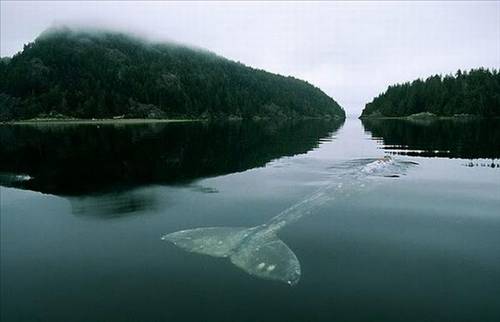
(49, 121)
(430, 118)
(71, 121)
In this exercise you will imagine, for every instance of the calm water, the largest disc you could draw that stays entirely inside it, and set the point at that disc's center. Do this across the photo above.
(83, 209)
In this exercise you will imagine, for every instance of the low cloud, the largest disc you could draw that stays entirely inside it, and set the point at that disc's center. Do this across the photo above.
(351, 50)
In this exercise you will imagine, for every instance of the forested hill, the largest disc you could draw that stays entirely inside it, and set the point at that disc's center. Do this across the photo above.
(476, 92)
(89, 74)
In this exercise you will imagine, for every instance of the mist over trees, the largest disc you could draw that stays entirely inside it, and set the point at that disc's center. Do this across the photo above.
(476, 92)
(102, 74)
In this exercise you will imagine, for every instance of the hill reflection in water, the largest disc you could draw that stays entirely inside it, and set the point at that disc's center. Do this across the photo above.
(467, 139)
(79, 160)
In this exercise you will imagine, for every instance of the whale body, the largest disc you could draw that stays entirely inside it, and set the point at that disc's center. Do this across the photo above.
(258, 250)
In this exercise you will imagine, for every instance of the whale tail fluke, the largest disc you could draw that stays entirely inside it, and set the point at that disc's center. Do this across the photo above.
(213, 241)
(268, 257)
(261, 254)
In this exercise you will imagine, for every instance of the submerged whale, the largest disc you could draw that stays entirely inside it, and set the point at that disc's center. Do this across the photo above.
(257, 250)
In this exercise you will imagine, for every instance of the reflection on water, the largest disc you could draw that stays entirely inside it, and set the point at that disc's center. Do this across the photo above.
(468, 139)
(490, 164)
(136, 201)
(112, 205)
(421, 247)
(78, 160)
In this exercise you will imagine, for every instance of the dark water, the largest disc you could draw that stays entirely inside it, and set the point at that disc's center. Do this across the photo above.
(83, 209)
(470, 138)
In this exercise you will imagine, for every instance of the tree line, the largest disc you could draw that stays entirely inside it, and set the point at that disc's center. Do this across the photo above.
(476, 92)
(101, 74)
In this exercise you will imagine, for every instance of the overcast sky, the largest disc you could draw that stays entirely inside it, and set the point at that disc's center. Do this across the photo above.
(351, 50)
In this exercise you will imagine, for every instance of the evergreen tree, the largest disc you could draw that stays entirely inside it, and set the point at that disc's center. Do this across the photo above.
(96, 74)
(476, 92)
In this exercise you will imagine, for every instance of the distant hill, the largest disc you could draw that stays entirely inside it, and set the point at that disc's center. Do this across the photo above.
(475, 93)
(103, 74)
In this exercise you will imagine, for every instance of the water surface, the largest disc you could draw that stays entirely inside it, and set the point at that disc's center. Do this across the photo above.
(83, 209)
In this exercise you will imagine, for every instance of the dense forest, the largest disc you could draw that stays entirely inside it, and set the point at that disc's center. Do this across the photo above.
(101, 74)
(476, 92)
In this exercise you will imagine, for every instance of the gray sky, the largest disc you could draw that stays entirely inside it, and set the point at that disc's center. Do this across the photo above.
(351, 50)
